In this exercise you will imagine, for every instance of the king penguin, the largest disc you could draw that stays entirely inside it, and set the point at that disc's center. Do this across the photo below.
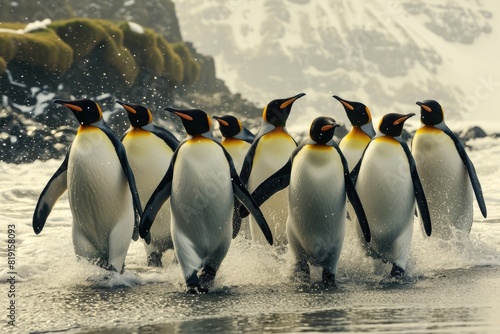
(448, 175)
(149, 150)
(201, 183)
(237, 139)
(319, 183)
(388, 185)
(270, 150)
(101, 189)
(355, 142)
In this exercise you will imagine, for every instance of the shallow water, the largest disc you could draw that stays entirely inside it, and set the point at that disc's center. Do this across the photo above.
(452, 287)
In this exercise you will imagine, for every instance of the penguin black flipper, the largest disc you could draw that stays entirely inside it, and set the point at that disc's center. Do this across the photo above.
(274, 183)
(355, 171)
(352, 194)
(122, 156)
(244, 197)
(470, 169)
(157, 199)
(166, 136)
(56, 186)
(246, 168)
(419, 191)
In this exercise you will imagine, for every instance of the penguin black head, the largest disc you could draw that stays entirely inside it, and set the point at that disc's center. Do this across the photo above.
(138, 115)
(431, 112)
(357, 112)
(277, 111)
(322, 129)
(230, 126)
(86, 111)
(195, 121)
(392, 124)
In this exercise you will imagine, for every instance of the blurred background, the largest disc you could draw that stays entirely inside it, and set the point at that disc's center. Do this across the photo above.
(232, 57)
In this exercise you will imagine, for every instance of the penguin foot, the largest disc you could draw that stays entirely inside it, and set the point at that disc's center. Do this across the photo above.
(154, 259)
(194, 285)
(328, 279)
(104, 264)
(207, 277)
(302, 273)
(397, 271)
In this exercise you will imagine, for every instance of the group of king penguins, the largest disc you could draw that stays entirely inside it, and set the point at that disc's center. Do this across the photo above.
(198, 191)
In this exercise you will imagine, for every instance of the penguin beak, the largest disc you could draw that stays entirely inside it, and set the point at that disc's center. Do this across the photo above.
(126, 106)
(180, 114)
(347, 105)
(328, 127)
(69, 105)
(221, 121)
(291, 100)
(403, 119)
(423, 106)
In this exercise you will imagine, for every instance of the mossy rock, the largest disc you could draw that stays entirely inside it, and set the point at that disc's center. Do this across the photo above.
(42, 49)
(191, 68)
(85, 36)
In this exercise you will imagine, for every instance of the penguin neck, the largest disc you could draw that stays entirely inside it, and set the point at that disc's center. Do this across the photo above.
(148, 127)
(266, 127)
(440, 126)
(368, 129)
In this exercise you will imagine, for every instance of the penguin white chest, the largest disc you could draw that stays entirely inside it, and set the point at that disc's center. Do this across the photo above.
(98, 190)
(385, 188)
(149, 158)
(317, 200)
(272, 153)
(238, 150)
(445, 180)
(202, 196)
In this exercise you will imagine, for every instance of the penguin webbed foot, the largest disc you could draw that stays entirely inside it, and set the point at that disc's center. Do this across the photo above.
(328, 279)
(301, 273)
(397, 271)
(201, 285)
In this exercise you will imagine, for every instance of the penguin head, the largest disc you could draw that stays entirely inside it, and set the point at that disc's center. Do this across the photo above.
(322, 129)
(392, 124)
(277, 111)
(431, 112)
(230, 126)
(359, 115)
(85, 110)
(195, 121)
(138, 115)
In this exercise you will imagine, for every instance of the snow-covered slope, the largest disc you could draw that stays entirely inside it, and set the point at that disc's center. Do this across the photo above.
(388, 54)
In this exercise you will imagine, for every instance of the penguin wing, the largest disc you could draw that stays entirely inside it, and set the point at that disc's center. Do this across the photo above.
(246, 168)
(157, 199)
(355, 170)
(419, 191)
(352, 194)
(242, 194)
(56, 186)
(274, 183)
(470, 169)
(122, 156)
(166, 136)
